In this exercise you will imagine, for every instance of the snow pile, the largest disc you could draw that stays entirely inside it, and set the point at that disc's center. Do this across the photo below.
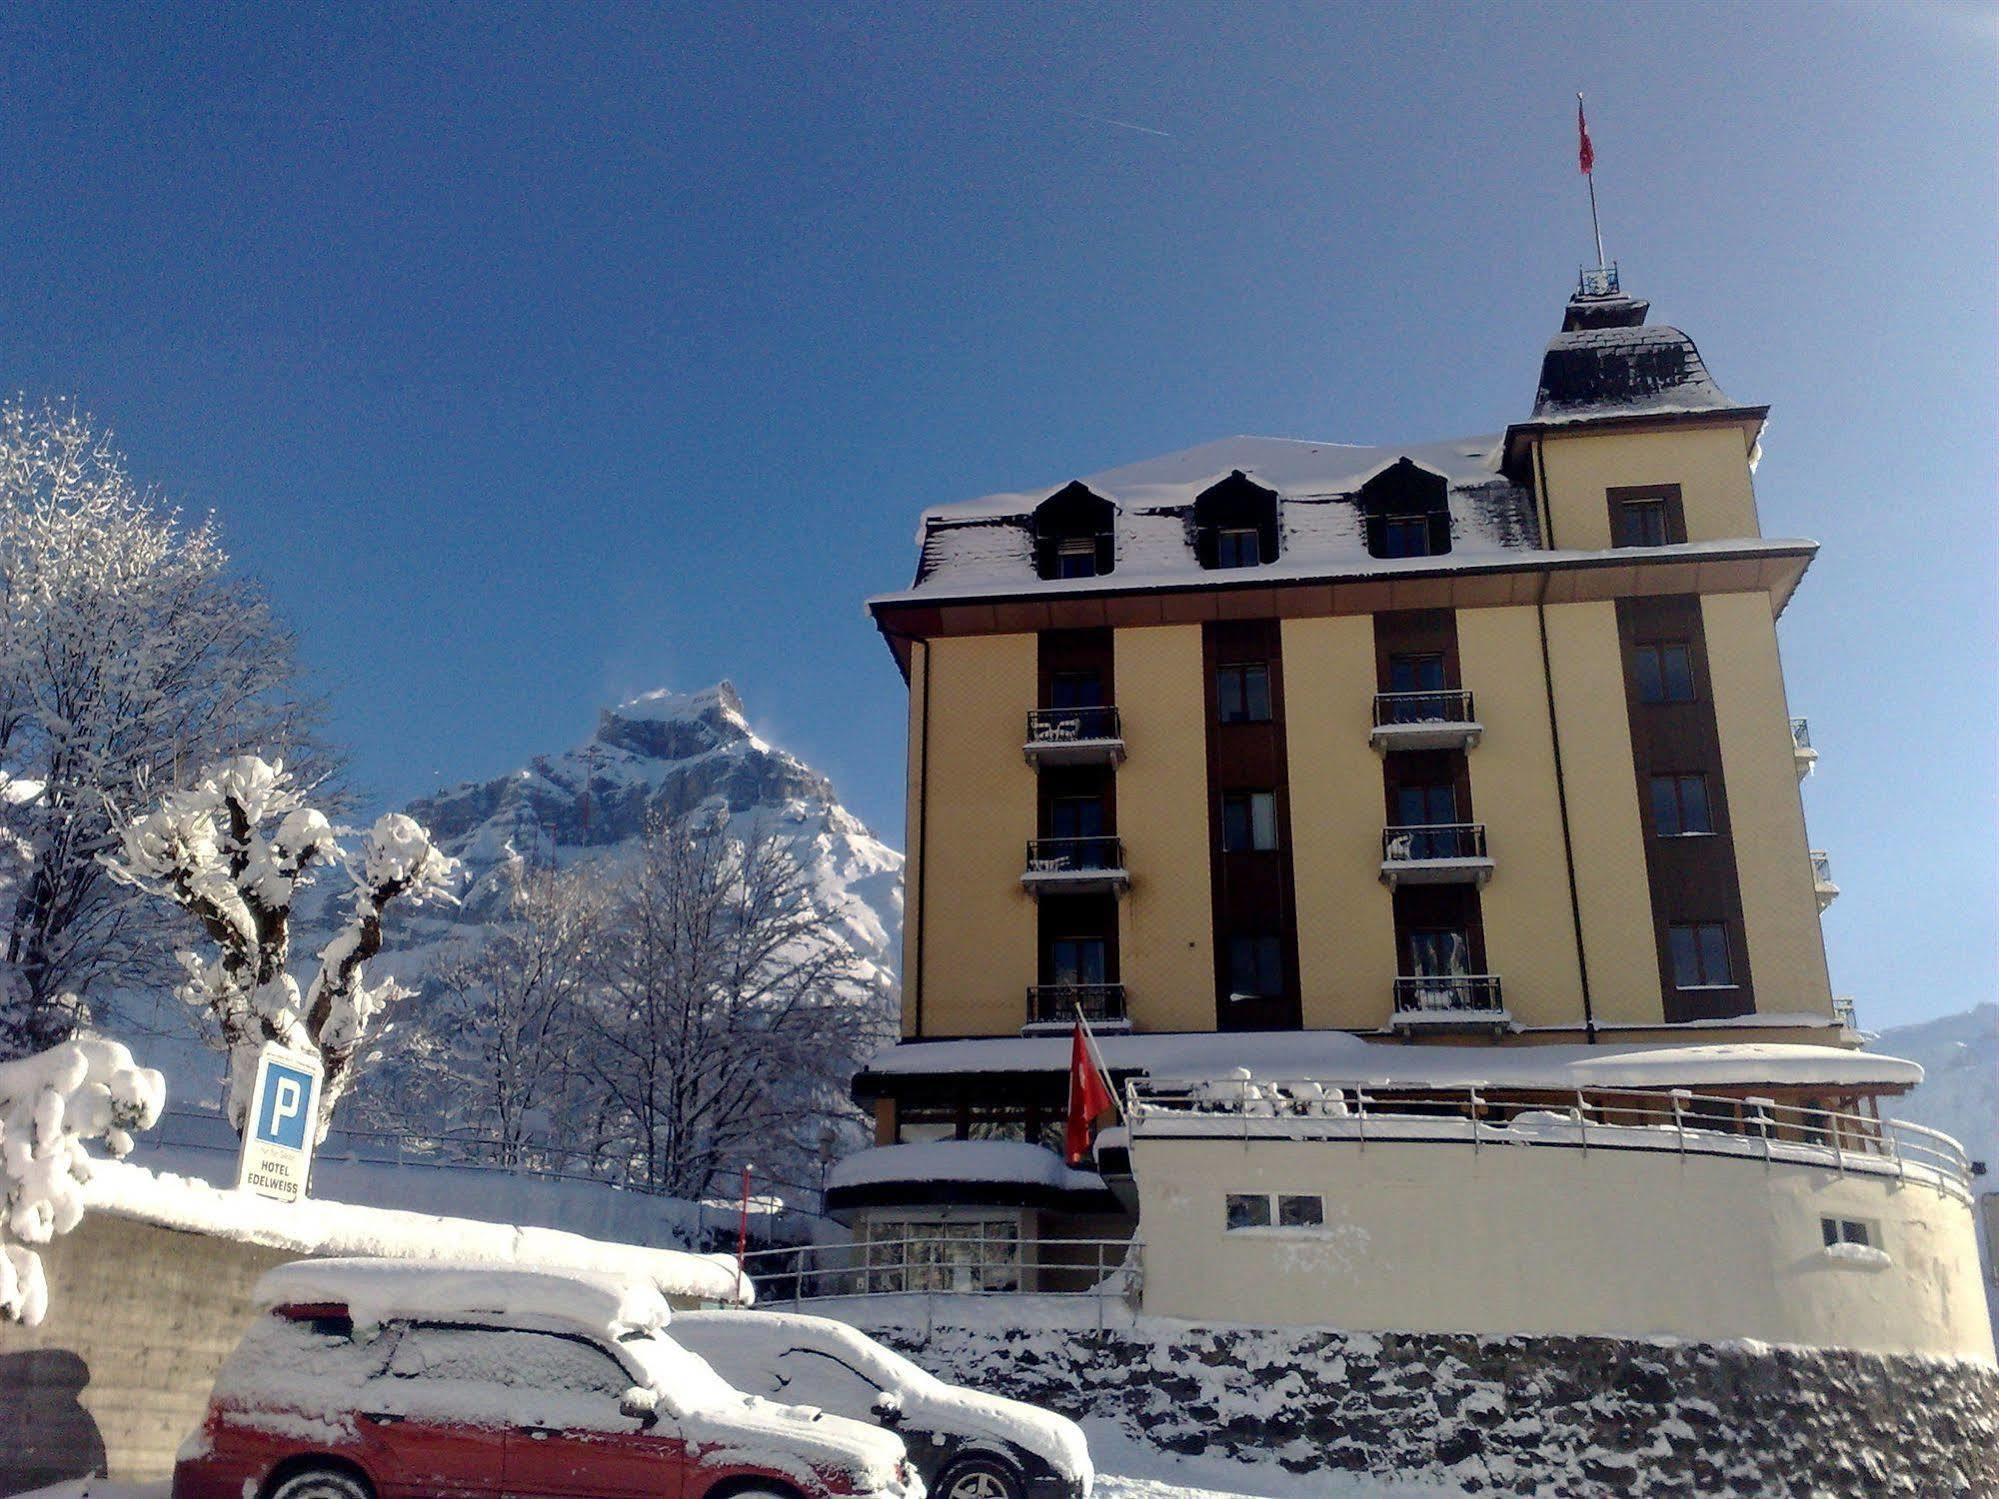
(746, 1348)
(50, 1104)
(317, 1227)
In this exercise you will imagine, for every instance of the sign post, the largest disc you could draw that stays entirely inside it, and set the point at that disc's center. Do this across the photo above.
(284, 1117)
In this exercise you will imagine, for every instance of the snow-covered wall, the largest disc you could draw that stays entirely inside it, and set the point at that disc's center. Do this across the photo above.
(1556, 1418)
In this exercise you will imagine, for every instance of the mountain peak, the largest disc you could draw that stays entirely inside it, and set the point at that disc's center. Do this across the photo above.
(667, 725)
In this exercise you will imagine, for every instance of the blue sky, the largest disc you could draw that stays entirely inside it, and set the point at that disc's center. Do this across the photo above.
(539, 356)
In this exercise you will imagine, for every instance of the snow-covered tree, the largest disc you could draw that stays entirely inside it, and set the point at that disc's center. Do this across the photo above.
(232, 851)
(129, 656)
(723, 1014)
(50, 1104)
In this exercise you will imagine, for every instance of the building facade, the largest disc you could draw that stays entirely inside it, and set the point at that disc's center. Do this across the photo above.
(1298, 760)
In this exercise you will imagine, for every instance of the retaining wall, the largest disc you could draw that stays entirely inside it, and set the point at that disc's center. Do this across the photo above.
(1554, 1417)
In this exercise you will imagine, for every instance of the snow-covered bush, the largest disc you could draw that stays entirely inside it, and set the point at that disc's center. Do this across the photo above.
(129, 656)
(50, 1104)
(232, 851)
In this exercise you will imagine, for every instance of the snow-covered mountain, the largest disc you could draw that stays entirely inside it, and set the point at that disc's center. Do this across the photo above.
(1960, 1089)
(662, 752)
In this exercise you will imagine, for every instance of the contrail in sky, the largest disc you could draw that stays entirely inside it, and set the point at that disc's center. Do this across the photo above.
(1120, 124)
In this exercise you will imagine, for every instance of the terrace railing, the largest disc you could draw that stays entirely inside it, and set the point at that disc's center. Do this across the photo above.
(1441, 705)
(1449, 994)
(1675, 1120)
(1057, 1004)
(1059, 726)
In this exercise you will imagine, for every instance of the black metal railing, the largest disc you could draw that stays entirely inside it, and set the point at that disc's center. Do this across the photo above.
(1801, 734)
(1075, 855)
(1821, 867)
(1445, 705)
(1059, 726)
(1052, 1004)
(1439, 840)
(1448, 994)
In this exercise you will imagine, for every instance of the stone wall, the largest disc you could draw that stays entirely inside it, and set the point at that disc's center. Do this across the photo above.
(140, 1318)
(1562, 1418)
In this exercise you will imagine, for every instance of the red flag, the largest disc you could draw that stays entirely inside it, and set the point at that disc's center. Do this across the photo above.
(1585, 152)
(1088, 1098)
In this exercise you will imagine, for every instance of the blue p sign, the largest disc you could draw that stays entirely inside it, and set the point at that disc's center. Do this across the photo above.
(288, 1100)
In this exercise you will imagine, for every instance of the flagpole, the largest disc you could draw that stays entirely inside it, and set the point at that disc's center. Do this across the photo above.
(1097, 1060)
(1589, 176)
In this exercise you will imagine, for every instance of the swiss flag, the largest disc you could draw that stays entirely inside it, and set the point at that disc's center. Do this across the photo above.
(1585, 152)
(1089, 1098)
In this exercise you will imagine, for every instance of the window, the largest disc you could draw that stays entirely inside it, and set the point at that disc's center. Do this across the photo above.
(1249, 821)
(1076, 817)
(1256, 967)
(1076, 557)
(953, 1254)
(1700, 955)
(1665, 672)
(805, 1376)
(1846, 1231)
(1641, 523)
(1434, 806)
(1300, 1211)
(1417, 672)
(1439, 952)
(545, 1361)
(1243, 693)
(1247, 1210)
(1238, 546)
(1075, 689)
(1078, 960)
(1404, 536)
(1650, 517)
(1680, 806)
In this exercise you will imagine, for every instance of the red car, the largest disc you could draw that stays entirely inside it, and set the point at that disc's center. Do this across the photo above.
(379, 1379)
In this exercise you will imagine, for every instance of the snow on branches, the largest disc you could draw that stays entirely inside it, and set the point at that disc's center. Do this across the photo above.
(232, 851)
(50, 1104)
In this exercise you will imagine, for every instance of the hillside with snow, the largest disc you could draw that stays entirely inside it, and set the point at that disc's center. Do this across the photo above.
(1960, 1089)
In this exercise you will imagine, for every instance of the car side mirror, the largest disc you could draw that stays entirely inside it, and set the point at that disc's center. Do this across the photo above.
(888, 1408)
(640, 1404)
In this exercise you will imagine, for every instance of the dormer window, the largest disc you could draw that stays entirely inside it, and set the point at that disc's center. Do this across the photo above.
(1235, 524)
(1407, 512)
(1073, 534)
(1649, 517)
(1238, 546)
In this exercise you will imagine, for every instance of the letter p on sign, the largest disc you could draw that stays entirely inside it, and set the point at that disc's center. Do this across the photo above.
(277, 1147)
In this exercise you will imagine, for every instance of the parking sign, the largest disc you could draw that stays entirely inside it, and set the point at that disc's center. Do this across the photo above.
(284, 1113)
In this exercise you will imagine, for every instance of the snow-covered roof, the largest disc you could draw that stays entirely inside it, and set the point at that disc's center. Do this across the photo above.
(1335, 1056)
(1626, 371)
(987, 543)
(317, 1227)
(376, 1290)
(983, 1161)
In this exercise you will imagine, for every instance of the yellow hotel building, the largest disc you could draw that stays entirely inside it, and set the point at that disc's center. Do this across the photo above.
(1265, 751)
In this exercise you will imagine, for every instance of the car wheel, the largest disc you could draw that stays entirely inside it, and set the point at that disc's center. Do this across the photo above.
(978, 1478)
(320, 1483)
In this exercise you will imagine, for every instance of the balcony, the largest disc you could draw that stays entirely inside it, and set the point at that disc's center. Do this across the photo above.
(1074, 736)
(1424, 720)
(1076, 866)
(1054, 1007)
(1822, 884)
(1802, 753)
(1440, 853)
(1450, 1002)
(1842, 1011)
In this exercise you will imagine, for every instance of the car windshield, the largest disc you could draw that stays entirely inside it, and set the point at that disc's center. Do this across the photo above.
(683, 1380)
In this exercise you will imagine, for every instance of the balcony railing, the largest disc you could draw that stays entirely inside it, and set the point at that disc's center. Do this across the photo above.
(1074, 736)
(1801, 747)
(1843, 1012)
(1822, 882)
(1442, 853)
(1078, 864)
(1444, 1000)
(1438, 719)
(1055, 1006)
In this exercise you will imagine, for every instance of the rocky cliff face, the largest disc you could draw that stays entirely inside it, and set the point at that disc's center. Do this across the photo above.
(671, 754)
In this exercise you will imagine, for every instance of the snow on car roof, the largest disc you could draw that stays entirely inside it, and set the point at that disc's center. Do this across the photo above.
(378, 1290)
(316, 1226)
